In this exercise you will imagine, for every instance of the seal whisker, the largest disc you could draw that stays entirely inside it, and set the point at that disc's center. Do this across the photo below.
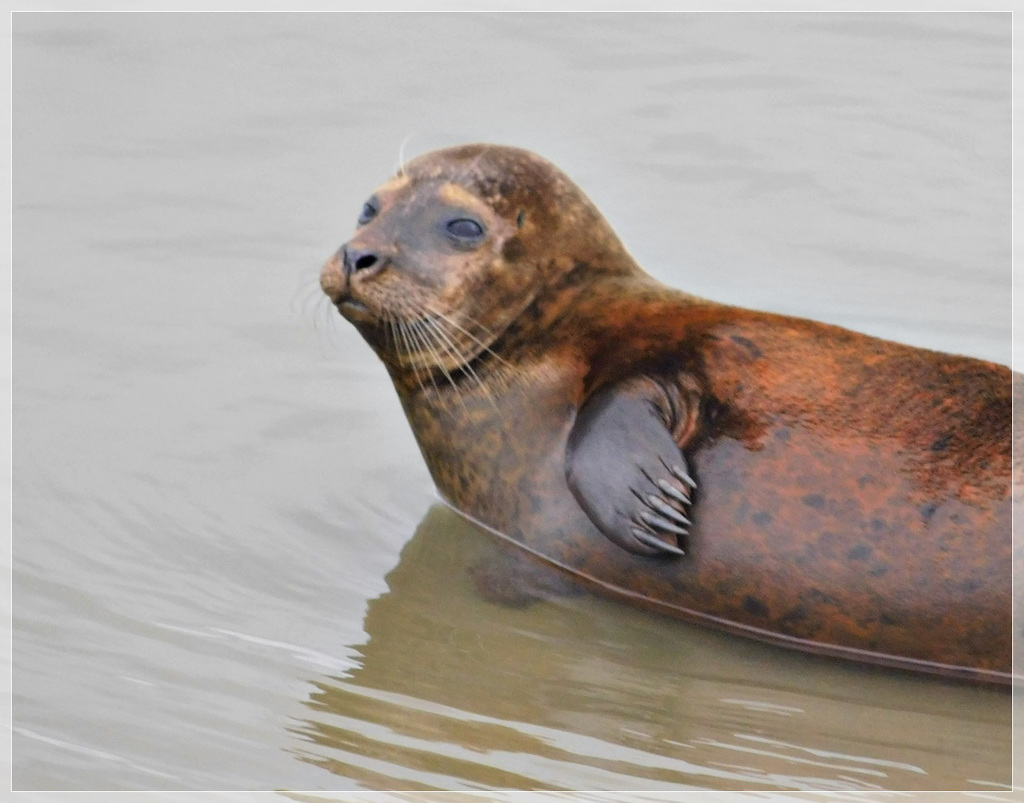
(423, 324)
(444, 342)
(423, 347)
(319, 320)
(463, 362)
(469, 320)
(461, 354)
(304, 294)
(311, 308)
(410, 353)
(307, 279)
(456, 338)
(325, 320)
(430, 346)
(396, 346)
(322, 315)
(447, 320)
(309, 301)
(401, 154)
(428, 336)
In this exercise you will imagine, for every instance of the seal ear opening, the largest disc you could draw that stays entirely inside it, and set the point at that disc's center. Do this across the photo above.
(521, 219)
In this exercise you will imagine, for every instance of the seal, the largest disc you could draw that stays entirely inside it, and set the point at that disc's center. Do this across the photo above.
(776, 477)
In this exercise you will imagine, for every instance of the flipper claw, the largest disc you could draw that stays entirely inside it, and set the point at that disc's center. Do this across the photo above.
(681, 474)
(661, 523)
(668, 488)
(667, 510)
(655, 542)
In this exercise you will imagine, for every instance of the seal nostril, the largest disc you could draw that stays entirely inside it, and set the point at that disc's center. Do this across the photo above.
(365, 261)
(355, 260)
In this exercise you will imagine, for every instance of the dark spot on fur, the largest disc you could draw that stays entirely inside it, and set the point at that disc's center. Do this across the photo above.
(795, 615)
(742, 510)
(521, 219)
(865, 480)
(885, 619)
(754, 606)
(927, 511)
(972, 584)
(679, 583)
(942, 443)
(578, 274)
(748, 345)
(782, 434)
(714, 413)
(818, 598)
(877, 525)
(817, 501)
(762, 518)
(859, 552)
(513, 249)
(879, 570)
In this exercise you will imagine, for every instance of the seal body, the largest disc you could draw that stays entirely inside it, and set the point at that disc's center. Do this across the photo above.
(781, 478)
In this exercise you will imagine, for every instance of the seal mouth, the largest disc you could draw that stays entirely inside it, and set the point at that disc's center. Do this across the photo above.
(351, 304)
(354, 311)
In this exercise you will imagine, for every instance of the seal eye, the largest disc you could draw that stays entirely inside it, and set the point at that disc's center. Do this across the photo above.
(463, 228)
(369, 213)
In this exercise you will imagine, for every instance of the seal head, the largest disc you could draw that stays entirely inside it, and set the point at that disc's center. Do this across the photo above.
(449, 252)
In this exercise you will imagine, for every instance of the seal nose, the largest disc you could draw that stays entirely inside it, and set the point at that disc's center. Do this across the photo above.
(356, 260)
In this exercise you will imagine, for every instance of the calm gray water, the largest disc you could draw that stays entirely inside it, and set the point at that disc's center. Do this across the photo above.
(230, 571)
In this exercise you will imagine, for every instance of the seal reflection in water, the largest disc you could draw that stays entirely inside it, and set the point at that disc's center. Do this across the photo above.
(777, 477)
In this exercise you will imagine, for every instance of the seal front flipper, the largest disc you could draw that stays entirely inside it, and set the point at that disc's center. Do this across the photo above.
(625, 465)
